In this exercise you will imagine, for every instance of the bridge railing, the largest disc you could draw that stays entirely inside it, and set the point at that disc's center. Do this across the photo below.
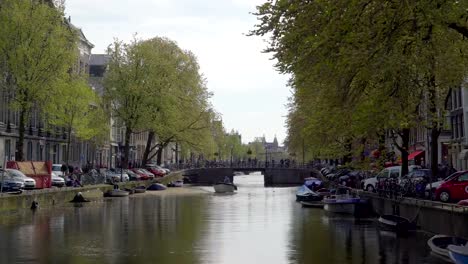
(240, 165)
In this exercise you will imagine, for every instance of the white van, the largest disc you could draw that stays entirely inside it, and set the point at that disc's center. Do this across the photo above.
(390, 172)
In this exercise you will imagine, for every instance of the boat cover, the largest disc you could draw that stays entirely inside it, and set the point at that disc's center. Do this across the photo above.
(303, 190)
(156, 187)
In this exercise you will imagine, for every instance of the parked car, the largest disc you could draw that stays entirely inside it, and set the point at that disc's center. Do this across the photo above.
(115, 176)
(132, 175)
(436, 184)
(57, 169)
(16, 179)
(142, 175)
(156, 170)
(57, 180)
(454, 189)
(149, 173)
(370, 184)
(10, 183)
(123, 175)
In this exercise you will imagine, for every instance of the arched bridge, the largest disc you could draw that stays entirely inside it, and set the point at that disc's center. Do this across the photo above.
(273, 176)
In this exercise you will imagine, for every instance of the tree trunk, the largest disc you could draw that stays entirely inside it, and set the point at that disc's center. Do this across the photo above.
(347, 158)
(21, 130)
(434, 151)
(434, 120)
(125, 159)
(159, 155)
(405, 137)
(148, 147)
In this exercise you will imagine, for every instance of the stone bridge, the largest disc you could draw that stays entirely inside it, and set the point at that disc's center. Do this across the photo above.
(276, 176)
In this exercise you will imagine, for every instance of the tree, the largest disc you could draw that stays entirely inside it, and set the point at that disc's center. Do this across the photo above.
(131, 86)
(37, 49)
(347, 56)
(77, 108)
(183, 113)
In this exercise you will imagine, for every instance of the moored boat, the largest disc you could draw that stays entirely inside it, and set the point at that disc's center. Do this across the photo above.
(156, 187)
(140, 189)
(439, 244)
(342, 202)
(458, 254)
(116, 193)
(224, 187)
(317, 204)
(395, 223)
(305, 194)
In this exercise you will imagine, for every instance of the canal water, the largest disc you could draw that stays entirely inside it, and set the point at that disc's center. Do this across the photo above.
(255, 225)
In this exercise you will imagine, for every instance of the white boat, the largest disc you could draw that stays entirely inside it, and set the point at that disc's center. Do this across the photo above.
(458, 254)
(341, 203)
(439, 244)
(224, 187)
(116, 193)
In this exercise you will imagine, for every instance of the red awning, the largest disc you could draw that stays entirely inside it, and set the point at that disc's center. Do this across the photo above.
(413, 155)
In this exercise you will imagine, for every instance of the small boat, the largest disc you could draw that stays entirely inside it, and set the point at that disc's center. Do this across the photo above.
(305, 194)
(116, 193)
(324, 192)
(312, 204)
(156, 187)
(224, 187)
(312, 183)
(130, 191)
(140, 189)
(395, 223)
(458, 254)
(439, 244)
(342, 202)
(179, 183)
(463, 202)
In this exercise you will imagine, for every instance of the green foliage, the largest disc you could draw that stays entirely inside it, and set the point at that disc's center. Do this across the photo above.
(37, 48)
(362, 67)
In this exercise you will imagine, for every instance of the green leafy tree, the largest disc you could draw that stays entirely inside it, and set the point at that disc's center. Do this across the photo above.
(77, 108)
(129, 87)
(346, 57)
(37, 49)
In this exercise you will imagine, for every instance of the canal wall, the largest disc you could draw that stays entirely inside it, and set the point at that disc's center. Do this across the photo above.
(435, 217)
(55, 196)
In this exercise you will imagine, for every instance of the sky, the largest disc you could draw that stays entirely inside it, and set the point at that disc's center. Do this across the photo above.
(248, 92)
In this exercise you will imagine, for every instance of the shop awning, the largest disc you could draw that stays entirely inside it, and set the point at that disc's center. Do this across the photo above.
(414, 154)
(463, 155)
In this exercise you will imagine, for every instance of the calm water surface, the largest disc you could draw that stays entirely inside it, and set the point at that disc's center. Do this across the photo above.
(256, 225)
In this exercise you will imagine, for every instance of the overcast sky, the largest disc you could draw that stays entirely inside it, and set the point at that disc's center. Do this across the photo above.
(248, 92)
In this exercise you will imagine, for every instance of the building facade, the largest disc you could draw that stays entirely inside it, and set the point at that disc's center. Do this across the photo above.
(43, 142)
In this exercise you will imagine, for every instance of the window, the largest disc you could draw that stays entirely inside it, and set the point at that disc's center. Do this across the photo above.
(7, 149)
(459, 97)
(463, 178)
(38, 151)
(47, 151)
(395, 174)
(29, 151)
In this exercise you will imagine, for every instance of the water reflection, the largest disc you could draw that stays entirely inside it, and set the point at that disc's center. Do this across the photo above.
(256, 225)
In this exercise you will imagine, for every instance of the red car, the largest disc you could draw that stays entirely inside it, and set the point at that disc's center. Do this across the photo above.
(157, 172)
(143, 175)
(454, 189)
